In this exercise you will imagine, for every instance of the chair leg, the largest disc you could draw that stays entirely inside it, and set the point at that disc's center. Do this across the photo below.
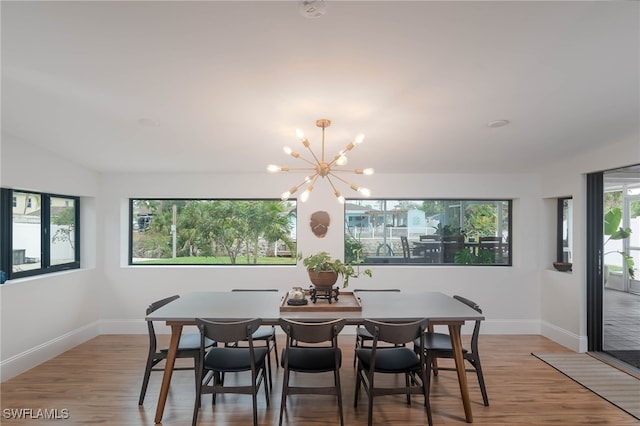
(426, 388)
(254, 397)
(275, 348)
(434, 363)
(370, 408)
(336, 375)
(196, 405)
(285, 391)
(408, 385)
(145, 380)
(266, 388)
(483, 389)
(268, 362)
(358, 384)
(355, 349)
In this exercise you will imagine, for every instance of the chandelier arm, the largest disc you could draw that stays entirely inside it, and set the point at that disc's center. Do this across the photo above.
(334, 160)
(298, 186)
(331, 183)
(341, 179)
(335, 190)
(308, 161)
(312, 154)
(345, 171)
(343, 152)
(298, 169)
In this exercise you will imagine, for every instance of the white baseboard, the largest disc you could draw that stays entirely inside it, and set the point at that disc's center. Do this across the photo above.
(30, 358)
(139, 326)
(563, 337)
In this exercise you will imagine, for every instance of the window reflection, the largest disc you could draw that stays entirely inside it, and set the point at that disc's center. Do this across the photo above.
(26, 229)
(429, 231)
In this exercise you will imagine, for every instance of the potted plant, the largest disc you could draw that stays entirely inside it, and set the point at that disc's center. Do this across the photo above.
(324, 270)
(614, 231)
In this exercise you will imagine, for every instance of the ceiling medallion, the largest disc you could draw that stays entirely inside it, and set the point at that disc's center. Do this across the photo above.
(322, 168)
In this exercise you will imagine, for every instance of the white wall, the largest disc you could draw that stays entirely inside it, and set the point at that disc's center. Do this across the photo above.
(564, 295)
(43, 316)
(109, 296)
(510, 297)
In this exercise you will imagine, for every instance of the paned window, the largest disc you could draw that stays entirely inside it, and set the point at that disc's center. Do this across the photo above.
(428, 231)
(40, 232)
(212, 232)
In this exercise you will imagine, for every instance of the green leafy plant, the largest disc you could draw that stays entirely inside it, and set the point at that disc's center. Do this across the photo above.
(449, 231)
(468, 257)
(614, 231)
(323, 262)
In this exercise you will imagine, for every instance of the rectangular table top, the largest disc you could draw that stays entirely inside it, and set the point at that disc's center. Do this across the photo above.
(438, 307)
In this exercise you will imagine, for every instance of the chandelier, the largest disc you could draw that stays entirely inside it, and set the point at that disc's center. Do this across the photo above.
(320, 168)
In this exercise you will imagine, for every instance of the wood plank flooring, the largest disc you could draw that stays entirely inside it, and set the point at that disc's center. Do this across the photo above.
(99, 381)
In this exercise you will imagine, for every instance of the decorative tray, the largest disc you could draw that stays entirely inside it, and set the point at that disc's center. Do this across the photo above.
(347, 301)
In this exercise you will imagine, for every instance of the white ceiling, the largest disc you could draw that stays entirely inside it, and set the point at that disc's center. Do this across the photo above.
(227, 83)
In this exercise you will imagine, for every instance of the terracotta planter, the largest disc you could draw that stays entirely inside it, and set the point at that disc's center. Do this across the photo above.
(323, 279)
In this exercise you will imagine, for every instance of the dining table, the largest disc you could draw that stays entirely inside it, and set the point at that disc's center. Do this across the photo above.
(438, 308)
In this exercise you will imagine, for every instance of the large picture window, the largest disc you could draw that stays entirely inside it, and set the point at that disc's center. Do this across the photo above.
(212, 232)
(428, 232)
(40, 232)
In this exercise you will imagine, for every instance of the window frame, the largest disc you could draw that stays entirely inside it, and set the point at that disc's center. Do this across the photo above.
(6, 234)
(396, 256)
(560, 230)
(132, 228)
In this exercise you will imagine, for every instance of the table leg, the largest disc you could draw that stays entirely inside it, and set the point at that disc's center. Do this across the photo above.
(176, 332)
(456, 344)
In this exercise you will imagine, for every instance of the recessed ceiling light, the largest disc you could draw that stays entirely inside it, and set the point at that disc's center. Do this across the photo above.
(498, 123)
(312, 8)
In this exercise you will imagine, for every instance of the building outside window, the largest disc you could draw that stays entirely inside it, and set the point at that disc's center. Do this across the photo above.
(41, 230)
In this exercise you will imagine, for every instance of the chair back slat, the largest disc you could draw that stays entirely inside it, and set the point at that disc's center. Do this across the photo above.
(476, 328)
(396, 333)
(307, 332)
(228, 332)
(152, 308)
(160, 303)
(470, 303)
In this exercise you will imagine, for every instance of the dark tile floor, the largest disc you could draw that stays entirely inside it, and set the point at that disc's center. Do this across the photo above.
(621, 315)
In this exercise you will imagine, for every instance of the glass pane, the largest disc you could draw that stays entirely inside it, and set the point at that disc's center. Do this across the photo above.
(566, 229)
(26, 243)
(213, 232)
(614, 246)
(428, 231)
(63, 226)
(634, 242)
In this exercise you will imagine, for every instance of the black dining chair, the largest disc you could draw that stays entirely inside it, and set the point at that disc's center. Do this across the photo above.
(407, 253)
(362, 335)
(451, 245)
(189, 347)
(266, 334)
(438, 345)
(398, 359)
(492, 245)
(304, 354)
(222, 359)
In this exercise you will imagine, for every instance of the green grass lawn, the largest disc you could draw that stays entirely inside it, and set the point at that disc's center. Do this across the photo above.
(223, 260)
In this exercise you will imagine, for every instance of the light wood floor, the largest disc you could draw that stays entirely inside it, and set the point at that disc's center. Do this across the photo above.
(98, 383)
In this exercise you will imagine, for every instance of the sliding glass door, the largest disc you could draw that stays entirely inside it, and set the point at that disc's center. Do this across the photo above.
(618, 333)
